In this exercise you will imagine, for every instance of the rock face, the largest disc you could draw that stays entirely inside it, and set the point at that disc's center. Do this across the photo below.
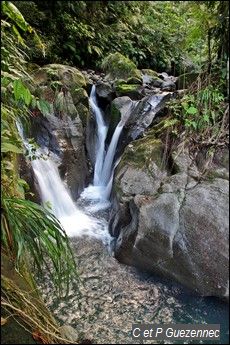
(170, 223)
(63, 130)
(137, 115)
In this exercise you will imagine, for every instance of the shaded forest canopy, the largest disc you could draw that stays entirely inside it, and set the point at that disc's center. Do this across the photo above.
(160, 35)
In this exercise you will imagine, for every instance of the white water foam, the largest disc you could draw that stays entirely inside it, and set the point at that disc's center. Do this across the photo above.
(100, 191)
(54, 193)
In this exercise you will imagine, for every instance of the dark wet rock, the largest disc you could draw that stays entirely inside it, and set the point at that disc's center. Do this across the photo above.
(105, 91)
(138, 115)
(153, 81)
(91, 137)
(62, 131)
(168, 86)
(143, 113)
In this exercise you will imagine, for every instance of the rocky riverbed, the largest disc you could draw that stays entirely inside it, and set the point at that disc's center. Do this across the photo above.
(111, 297)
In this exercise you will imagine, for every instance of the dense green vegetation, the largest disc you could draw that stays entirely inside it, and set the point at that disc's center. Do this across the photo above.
(176, 37)
(31, 235)
(26, 226)
(153, 34)
(171, 36)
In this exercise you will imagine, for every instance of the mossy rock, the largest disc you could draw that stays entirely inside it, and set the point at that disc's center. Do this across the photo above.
(83, 113)
(40, 77)
(63, 104)
(152, 80)
(47, 93)
(131, 90)
(119, 82)
(69, 76)
(118, 66)
(143, 151)
(80, 95)
(134, 80)
(115, 116)
(150, 72)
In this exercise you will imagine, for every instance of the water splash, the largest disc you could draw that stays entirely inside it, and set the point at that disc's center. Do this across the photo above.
(54, 193)
(100, 191)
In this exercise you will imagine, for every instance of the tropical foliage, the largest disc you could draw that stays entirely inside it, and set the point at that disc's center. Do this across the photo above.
(153, 34)
(26, 226)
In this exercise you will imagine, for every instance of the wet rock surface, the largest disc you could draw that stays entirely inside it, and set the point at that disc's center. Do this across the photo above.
(63, 130)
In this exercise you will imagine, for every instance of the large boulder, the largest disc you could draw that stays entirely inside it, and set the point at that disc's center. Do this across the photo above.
(67, 75)
(105, 91)
(117, 66)
(171, 222)
(137, 115)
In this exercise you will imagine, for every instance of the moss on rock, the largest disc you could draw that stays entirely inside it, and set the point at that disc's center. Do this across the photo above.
(131, 90)
(143, 151)
(115, 116)
(83, 113)
(80, 96)
(150, 72)
(118, 66)
(133, 80)
(69, 76)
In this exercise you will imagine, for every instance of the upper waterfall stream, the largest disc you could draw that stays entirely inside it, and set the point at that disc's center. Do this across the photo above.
(100, 191)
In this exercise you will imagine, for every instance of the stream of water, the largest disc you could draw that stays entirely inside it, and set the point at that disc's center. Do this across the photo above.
(113, 296)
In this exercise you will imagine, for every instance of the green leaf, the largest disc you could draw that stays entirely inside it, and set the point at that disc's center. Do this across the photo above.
(191, 110)
(8, 147)
(206, 118)
(34, 229)
(22, 92)
(18, 88)
(19, 37)
(23, 183)
(27, 96)
(14, 14)
(43, 106)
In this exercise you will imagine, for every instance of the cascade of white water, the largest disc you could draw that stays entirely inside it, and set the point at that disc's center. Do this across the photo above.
(53, 191)
(109, 158)
(104, 165)
(101, 136)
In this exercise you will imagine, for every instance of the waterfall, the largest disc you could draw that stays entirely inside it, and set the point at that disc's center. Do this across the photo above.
(53, 191)
(104, 164)
(55, 194)
(102, 130)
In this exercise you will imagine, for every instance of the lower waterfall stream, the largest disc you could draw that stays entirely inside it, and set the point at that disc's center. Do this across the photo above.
(112, 296)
